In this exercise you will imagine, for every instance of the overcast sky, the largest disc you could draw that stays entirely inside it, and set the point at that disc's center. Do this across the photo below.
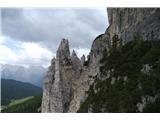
(31, 36)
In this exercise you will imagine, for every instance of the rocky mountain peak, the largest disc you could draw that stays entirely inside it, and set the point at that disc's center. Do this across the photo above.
(74, 54)
(68, 78)
(63, 50)
(83, 59)
(76, 62)
(53, 61)
(75, 59)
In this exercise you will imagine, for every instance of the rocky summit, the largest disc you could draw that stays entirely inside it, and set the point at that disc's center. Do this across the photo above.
(68, 77)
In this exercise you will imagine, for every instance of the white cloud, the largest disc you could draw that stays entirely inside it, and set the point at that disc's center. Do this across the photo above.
(2, 38)
(7, 55)
(27, 53)
(48, 26)
(34, 50)
(41, 30)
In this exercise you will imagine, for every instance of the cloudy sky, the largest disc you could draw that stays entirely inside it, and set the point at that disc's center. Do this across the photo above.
(31, 36)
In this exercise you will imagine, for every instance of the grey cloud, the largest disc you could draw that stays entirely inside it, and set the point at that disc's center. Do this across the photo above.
(48, 26)
(11, 13)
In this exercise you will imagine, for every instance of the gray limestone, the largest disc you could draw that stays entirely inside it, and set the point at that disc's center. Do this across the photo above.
(126, 22)
(68, 78)
(83, 58)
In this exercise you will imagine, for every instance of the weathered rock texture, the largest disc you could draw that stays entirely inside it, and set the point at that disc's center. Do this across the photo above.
(68, 77)
(126, 22)
(59, 80)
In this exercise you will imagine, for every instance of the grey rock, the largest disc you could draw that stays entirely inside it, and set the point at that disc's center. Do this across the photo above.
(63, 50)
(60, 79)
(67, 79)
(126, 22)
(145, 100)
(146, 69)
(83, 58)
(56, 88)
(74, 54)
(113, 80)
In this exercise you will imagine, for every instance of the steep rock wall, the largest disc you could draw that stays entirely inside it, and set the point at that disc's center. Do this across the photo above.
(85, 79)
(68, 77)
(59, 81)
(126, 22)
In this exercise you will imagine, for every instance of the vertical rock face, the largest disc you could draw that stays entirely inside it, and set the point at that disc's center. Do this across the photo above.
(47, 87)
(68, 77)
(83, 58)
(85, 79)
(100, 44)
(57, 84)
(60, 79)
(126, 22)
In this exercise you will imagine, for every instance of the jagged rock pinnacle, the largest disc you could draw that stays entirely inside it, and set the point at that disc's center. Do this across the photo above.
(63, 50)
(74, 54)
(67, 80)
(83, 59)
(53, 60)
(75, 60)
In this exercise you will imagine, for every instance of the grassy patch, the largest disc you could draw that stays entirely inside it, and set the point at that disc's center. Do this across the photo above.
(25, 105)
(19, 101)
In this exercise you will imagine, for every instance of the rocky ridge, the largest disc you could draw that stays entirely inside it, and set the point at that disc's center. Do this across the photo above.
(68, 77)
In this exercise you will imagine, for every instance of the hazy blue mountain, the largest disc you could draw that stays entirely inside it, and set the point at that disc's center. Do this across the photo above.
(32, 74)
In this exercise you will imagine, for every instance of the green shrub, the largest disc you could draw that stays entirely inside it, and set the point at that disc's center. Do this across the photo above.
(124, 95)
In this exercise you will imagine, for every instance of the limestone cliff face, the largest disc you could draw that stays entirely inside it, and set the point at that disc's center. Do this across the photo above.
(99, 45)
(68, 77)
(126, 22)
(58, 82)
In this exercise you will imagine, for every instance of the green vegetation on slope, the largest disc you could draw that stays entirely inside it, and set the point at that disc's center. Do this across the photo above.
(12, 89)
(128, 75)
(18, 101)
(26, 105)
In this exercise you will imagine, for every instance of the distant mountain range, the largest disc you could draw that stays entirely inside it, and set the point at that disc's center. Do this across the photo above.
(32, 74)
(12, 89)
